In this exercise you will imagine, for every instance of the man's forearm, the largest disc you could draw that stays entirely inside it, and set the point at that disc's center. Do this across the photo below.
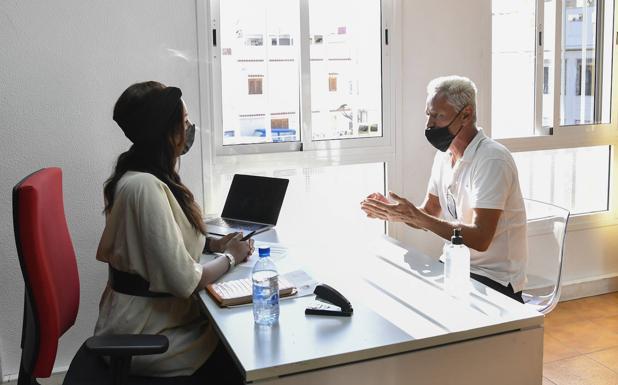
(471, 234)
(438, 226)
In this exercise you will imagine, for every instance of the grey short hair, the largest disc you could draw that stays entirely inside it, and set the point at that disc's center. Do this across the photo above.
(458, 90)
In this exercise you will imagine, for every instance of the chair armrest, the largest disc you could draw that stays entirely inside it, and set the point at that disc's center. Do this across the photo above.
(127, 344)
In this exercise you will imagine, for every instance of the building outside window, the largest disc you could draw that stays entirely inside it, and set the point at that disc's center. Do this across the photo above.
(345, 49)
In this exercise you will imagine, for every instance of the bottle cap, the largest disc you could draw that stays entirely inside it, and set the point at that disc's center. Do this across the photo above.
(457, 239)
(264, 252)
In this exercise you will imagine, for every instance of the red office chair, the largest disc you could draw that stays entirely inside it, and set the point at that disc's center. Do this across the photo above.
(49, 268)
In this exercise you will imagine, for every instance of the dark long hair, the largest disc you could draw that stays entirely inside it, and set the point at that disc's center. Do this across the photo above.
(158, 158)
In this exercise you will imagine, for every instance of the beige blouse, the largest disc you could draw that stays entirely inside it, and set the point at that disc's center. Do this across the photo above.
(148, 234)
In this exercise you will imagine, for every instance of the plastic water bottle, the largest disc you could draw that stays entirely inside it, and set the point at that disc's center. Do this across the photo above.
(265, 289)
(457, 266)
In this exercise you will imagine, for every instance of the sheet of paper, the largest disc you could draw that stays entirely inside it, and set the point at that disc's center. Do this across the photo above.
(303, 282)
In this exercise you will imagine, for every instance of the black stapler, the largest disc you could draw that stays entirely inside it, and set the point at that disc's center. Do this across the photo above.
(340, 305)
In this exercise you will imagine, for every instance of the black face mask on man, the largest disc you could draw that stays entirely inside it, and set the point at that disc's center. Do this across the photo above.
(440, 137)
(189, 138)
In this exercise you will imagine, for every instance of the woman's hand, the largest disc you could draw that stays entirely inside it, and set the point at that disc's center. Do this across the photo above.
(240, 250)
(218, 245)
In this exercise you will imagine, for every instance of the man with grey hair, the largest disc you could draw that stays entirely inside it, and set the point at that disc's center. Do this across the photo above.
(474, 186)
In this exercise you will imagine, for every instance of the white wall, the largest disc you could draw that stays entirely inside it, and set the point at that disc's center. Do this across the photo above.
(63, 64)
(438, 42)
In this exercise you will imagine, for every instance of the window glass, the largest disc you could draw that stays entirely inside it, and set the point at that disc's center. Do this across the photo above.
(261, 69)
(260, 82)
(523, 97)
(323, 200)
(513, 68)
(574, 178)
(585, 98)
(346, 89)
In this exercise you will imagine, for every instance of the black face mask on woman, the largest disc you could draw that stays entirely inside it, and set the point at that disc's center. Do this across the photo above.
(189, 138)
(440, 137)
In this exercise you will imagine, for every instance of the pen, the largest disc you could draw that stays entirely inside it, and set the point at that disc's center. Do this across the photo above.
(248, 235)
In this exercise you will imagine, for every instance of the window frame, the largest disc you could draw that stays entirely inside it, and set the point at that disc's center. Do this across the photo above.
(217, 159)
(210, 17)
(575, 136)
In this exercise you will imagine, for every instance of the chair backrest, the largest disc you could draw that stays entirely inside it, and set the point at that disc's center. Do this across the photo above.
(547, 224)
(48, 265)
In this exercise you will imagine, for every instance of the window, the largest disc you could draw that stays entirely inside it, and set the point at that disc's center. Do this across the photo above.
(254, 40)
(251, 125)
(285, 40)
(266, 66)
(332, 82)
(345, 48)
(310, 196)
(255, 85)
(280, 123)
(517, 58)
(551, 90)
(588, 79)
(575, 177)
(281, 40)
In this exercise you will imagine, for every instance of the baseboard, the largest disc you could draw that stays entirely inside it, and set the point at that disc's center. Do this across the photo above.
(57, 372)
(588, 287)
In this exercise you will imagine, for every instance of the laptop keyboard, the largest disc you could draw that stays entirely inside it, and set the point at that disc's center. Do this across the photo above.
(232, 224)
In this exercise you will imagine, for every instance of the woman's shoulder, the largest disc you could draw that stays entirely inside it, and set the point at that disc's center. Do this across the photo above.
(137, 183)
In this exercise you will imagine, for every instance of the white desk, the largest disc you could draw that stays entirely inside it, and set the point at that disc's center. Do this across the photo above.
(405, 329)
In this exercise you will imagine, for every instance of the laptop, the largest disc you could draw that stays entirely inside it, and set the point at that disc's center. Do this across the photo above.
(253, 203)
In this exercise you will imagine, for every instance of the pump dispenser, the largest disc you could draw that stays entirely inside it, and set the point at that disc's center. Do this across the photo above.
(457, 266)
(457, 239)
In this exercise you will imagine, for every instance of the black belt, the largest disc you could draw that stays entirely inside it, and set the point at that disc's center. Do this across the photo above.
(132, 284)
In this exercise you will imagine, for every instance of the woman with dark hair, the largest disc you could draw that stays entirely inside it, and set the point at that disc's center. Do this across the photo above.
(154, 236)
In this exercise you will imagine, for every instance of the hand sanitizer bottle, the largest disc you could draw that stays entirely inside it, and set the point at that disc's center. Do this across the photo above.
(457, 266)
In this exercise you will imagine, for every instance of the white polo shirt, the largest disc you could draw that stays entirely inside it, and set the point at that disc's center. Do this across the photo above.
(485, 177)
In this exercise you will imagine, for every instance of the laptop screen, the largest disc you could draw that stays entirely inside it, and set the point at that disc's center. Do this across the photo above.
(255, 199)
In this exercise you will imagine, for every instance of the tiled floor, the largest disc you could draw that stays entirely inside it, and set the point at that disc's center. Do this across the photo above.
(581, 342)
